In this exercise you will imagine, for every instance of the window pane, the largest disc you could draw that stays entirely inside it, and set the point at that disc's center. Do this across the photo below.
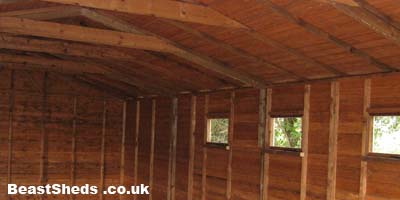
(386, 134)
(287, 132)
(219, 131)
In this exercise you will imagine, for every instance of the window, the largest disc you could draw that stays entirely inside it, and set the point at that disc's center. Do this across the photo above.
(287, 132)
(386, 135)
(218, 129)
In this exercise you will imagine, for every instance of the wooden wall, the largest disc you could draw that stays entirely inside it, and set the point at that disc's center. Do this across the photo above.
(331, 168)
(52, 129)
(163, 142)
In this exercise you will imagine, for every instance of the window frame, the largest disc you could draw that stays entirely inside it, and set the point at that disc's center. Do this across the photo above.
(370, 136)
(272, 134)
(211, 116)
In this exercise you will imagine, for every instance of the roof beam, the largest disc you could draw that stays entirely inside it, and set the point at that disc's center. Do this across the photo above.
(82, 34)
(62, 48)
(82, 51)
(11, 1)
(175, 10)
(47, 13)
(344, 2)
(371, 20)
(120, 39)
(323, 34)
(183, 52)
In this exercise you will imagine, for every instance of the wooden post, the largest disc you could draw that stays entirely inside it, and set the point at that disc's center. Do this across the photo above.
(267, 143)
(192, 142)
(73, 144)
(44, 137)
(204, 165)
(366, 143)
(305, 126)
(172, 150)
(123, 136)
(230, 143)
(153, 135)
(10, 128)
(261, 138)
(137, 130)
(333, 137)
(103, 144)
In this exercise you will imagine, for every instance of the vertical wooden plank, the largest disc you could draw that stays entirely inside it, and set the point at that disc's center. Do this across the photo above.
(172, 150)
(137, 130)
(123, 135)
(366, 143)
(204, 166)
(10, 128)
(261, 137)
(192, 141)
(73, 148)
(153, 134)
(304, 162)
(44, 137)
(267, 142)
(333, 137)
(230, 142)
(103, 142)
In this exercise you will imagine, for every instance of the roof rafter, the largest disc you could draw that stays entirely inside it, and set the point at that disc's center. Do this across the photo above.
(321, 33)
(84, 50)
(119, 39)
(344, 2)
(375, 21)
(175, 10)
(77, 50)
(46, 13)
(186, 53)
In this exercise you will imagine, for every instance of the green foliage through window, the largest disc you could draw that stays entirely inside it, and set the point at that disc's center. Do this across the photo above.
(386, 134)
(287, 132)
(219, 129)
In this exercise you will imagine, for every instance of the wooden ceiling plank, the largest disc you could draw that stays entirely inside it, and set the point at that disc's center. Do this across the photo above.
(105, 87)
(296, 53)
(180, 51)
(72, 67)
(60, 65)
(378, 24)
(46, 13)
(232, 49)
(323, 34)
(169, 9)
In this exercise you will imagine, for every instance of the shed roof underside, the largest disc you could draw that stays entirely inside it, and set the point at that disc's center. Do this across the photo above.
(237, 43)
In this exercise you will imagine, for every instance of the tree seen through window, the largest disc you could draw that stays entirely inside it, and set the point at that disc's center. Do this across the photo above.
(218, 131)
(287, 132)
(386, 134)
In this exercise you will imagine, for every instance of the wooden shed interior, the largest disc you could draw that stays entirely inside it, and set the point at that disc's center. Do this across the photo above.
(120, 92)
